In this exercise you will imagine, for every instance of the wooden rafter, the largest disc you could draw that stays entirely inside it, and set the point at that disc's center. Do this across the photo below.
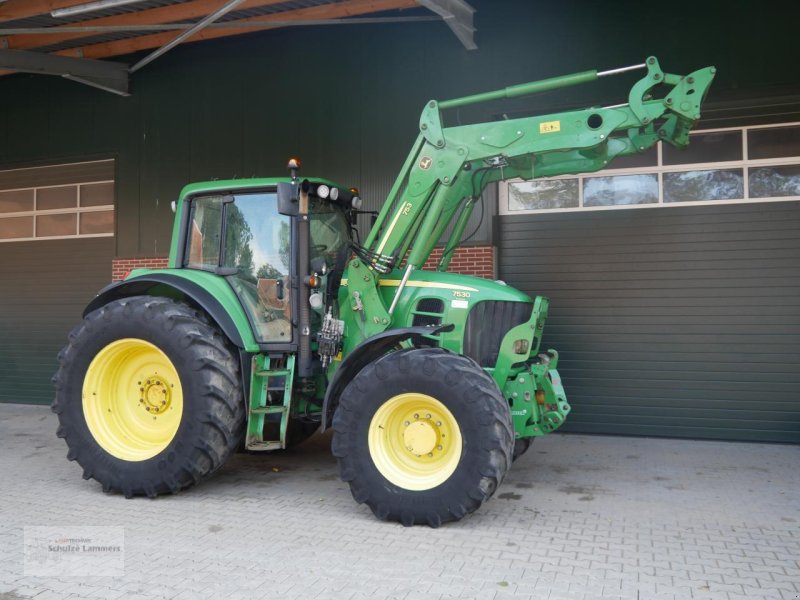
(349, 8)
(165, 14)
(22, 9)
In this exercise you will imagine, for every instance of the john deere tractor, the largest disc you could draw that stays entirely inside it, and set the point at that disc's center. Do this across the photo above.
(273, 321)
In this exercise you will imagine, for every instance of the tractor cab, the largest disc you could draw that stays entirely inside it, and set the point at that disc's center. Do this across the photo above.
(247, 232)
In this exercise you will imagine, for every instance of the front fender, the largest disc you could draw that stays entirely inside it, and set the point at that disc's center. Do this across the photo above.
(209, 292)
(363, 354)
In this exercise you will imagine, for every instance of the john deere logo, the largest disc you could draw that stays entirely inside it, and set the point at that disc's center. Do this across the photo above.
(425, 163)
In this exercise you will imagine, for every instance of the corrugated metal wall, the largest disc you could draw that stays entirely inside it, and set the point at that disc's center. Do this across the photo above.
(46, 285)
(347, 99)
(670, 321)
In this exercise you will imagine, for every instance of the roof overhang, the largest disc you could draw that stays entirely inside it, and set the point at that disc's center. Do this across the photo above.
(69, 38)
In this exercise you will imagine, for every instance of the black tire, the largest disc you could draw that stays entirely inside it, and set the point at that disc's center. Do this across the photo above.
(521, 446)
(213, 417)
(478, 408)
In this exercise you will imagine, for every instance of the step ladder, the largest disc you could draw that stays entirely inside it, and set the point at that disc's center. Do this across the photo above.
(269, 396)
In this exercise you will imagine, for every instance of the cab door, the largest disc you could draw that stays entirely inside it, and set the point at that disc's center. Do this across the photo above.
(244, 238)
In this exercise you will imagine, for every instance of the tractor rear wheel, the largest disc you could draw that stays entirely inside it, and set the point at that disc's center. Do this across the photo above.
(422, 436)
(148, 396)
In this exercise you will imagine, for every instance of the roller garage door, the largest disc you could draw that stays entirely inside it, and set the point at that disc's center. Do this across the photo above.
(671, 320)
(677, 322)
(65, 217)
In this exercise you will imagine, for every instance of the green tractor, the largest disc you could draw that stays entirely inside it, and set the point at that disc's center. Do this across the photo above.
(272, 321)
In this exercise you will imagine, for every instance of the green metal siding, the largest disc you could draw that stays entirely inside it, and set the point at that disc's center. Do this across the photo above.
(347, 99)
(45, 287)
(670, 321)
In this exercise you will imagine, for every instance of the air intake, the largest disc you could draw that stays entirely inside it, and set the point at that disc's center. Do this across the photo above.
(429, 311)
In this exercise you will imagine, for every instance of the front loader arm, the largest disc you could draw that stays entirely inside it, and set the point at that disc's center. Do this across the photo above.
(448, 167)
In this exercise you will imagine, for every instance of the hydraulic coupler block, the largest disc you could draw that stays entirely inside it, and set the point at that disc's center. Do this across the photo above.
(536, 397)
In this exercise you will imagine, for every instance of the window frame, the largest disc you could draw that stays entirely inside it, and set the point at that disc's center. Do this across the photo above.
(225, 199)
(76, 210)
(660, 169)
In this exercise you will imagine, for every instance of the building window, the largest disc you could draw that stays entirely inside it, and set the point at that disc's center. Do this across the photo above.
(745, 164)
(55, 202)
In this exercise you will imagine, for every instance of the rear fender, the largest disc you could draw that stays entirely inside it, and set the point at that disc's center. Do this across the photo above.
(229, 317)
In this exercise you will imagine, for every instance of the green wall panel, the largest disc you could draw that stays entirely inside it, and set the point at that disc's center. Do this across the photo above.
(347, 98)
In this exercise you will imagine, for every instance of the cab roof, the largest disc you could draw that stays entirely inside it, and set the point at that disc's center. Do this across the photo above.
(234, 185)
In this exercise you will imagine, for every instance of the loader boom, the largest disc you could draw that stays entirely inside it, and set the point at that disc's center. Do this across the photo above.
(449, 167)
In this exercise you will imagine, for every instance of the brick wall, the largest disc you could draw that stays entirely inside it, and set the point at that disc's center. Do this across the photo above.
(120, 266)
(468, 260)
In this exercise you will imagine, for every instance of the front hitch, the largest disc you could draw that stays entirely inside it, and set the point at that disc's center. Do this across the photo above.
(537, 398)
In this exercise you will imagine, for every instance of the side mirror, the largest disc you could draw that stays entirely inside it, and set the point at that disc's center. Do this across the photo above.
(288, 199)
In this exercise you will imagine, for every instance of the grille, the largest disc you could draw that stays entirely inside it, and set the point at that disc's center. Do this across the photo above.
(487, 324)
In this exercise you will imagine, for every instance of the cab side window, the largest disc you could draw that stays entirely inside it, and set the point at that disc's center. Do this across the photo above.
(205, 222)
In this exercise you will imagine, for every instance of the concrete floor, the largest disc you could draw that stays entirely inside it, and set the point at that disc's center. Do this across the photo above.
(577, 518)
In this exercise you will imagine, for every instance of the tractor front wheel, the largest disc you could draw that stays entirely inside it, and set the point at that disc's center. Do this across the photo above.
(422, 436)
(148, 396)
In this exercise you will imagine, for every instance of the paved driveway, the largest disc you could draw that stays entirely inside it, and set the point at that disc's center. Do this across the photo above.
(578, 517)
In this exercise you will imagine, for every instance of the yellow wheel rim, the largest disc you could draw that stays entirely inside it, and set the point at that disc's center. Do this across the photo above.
(415, 441)
(132, 399)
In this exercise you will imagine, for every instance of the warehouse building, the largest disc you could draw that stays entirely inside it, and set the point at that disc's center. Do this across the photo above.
(674, 277)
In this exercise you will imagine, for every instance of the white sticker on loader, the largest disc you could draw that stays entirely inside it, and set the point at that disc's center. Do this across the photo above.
(459, 304)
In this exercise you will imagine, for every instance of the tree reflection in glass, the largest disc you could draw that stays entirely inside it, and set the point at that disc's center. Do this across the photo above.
(775, 182)
(712, 184)
(620, 190)
(543, 194)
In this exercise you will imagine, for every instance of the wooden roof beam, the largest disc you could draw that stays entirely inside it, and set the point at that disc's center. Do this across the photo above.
(165, 14)
(22, 9)
(350, 8)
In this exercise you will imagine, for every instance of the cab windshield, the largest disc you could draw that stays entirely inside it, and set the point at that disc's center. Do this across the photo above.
(330, 231)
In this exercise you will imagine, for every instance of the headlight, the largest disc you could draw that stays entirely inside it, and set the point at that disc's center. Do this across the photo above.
(356, 202)
(334, 194)
(323, 191)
